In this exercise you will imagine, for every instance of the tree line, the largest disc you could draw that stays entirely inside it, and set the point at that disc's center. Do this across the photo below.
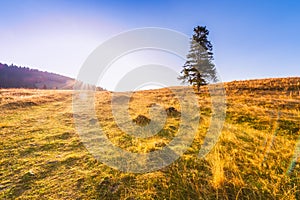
(12, 76)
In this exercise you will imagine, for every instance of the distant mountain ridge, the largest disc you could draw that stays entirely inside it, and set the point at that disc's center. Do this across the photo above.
(12, 76)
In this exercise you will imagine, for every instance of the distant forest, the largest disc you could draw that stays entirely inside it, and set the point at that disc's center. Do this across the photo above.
(12, 76)
(23, 77)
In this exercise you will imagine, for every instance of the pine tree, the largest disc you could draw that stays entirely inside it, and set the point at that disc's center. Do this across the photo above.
(199, 69)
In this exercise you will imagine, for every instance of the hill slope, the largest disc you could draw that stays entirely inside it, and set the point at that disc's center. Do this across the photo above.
(256, 156)
(23, 77)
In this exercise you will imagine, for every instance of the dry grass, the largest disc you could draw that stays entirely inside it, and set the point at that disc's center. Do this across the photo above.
(255, 158)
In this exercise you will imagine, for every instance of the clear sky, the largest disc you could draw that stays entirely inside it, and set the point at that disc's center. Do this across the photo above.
(251, 38)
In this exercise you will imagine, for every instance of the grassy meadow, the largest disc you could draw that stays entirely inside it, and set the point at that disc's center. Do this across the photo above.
(256, 156)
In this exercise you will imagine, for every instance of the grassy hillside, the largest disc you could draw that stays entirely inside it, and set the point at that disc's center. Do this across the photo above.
(256, 156)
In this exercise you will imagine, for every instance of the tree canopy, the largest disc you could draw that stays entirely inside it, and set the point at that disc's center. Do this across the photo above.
(199, 69)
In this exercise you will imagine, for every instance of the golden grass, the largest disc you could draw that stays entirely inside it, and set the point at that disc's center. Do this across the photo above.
(217, 169)
(42, 155)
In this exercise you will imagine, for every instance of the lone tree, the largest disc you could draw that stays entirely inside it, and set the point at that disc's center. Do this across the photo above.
(199, 69)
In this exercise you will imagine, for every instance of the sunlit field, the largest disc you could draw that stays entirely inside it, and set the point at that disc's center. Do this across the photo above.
(256, 156)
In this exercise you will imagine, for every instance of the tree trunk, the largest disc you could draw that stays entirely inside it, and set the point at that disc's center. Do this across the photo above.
(198, 81)
(198, 87)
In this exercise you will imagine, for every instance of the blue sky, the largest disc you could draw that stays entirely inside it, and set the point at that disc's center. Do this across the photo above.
(251, 38)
